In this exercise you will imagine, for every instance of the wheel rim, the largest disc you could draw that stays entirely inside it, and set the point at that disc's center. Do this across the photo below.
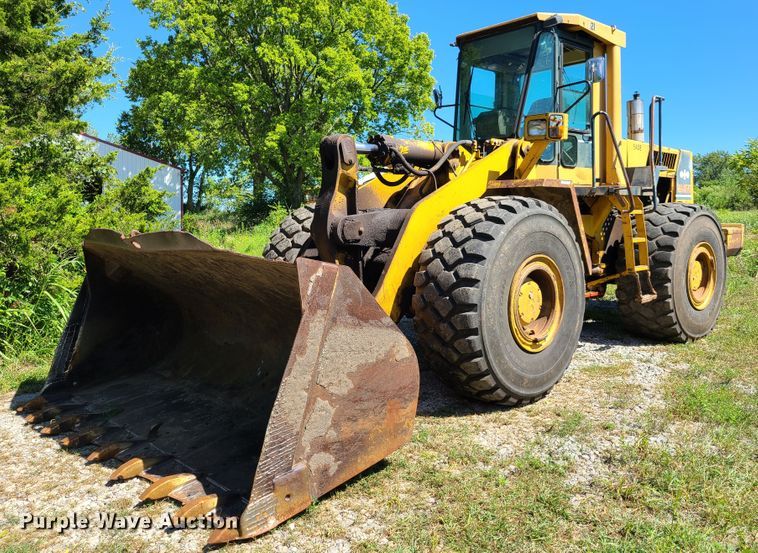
(535, 303)
(701, 276)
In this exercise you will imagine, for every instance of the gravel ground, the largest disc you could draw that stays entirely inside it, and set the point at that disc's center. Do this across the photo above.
(51, 482)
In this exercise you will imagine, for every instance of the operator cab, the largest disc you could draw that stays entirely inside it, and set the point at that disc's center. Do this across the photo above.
(537, 64)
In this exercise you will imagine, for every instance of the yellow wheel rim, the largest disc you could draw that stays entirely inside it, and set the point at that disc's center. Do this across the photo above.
(701, 276)
(535, 303)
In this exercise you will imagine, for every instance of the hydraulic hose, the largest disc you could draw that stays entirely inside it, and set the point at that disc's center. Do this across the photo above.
(436, 167)
(386, 182)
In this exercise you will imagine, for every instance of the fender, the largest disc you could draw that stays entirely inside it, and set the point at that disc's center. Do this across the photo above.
(426, 215)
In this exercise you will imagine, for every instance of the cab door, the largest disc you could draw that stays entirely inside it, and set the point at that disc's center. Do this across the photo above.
(541, 98)
(575, 97)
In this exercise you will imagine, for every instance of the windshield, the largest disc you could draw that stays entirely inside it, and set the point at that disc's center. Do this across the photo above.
(491, 81)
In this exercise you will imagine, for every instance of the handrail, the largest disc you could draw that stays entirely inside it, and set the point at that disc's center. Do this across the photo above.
(655, 101)
(607, 120)
(584, 94)
(448, 123)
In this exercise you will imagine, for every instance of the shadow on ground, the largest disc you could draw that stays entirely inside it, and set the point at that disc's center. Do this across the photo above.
(603, 327)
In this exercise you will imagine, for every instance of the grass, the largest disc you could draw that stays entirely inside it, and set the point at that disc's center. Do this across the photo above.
(719, 385)
(571, 422)
(701, 495)
(26, 547)
(250, 241)
(25, 372)
(600, 370)
(749, 218)
(31, 320)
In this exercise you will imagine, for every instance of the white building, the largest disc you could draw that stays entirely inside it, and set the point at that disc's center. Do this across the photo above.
(129, 163)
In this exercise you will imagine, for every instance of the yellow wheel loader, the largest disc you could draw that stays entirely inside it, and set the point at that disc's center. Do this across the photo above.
(249, 387)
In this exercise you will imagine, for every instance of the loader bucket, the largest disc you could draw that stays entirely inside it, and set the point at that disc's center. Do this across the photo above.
(233, 384)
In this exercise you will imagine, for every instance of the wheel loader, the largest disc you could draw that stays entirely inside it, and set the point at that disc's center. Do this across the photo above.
(249, 387)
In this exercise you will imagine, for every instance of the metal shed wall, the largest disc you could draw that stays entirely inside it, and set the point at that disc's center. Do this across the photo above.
(128, 164)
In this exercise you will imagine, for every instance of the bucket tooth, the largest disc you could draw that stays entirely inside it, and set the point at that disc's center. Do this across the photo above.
(134, 467)
(108, 451)
(221, 536)
(196, 508)
(42, 415)
(190, 491)
(164, 486)
(82, 438)
(34, 404)
(61, 424)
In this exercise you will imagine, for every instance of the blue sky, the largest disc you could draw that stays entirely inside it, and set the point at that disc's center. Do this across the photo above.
(702, 56)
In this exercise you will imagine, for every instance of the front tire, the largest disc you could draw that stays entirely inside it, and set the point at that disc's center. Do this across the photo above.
(499, 299)
(293, 237)
(688, 272)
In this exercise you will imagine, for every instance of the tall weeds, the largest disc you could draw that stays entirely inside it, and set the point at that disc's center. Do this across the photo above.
(33, 314)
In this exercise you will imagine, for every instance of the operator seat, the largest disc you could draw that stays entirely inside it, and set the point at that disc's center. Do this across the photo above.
(543, 105)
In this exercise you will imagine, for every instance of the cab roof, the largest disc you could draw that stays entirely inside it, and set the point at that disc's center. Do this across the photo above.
(607, 34)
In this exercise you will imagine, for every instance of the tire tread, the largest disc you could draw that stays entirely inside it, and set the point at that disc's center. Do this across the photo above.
(292, 239)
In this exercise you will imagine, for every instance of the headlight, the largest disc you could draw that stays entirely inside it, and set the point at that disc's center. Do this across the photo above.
(546, 126)
(536, 128)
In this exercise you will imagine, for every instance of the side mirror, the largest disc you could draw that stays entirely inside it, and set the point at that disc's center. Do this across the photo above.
(437, 93)
(595, 69)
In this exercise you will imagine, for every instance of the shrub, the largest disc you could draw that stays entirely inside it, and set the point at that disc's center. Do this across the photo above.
(725, 193)
(45, 212)
(728, 181)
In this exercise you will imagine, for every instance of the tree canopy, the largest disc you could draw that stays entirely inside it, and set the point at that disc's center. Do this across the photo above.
(252, 86)
(170, 120)
(47, 77)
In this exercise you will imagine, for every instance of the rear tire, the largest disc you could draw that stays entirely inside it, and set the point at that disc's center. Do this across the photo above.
(688, 272)
(484, 260)
(293, 237)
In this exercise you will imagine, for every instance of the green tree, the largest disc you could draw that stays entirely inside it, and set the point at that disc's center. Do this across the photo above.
(745, 164)
(169, 120)
(47, 77)
(53, 187)
(710, 167)
(728, 181)
(267, 79)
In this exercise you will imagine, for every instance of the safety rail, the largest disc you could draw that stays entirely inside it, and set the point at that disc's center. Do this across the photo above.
(609, 126)
(655, 101)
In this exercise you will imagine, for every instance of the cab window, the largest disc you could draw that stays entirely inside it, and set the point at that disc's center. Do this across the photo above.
(575, 97)
(576, 100)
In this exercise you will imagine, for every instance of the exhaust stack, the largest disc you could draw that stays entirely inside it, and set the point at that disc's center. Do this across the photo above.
(635, 118)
